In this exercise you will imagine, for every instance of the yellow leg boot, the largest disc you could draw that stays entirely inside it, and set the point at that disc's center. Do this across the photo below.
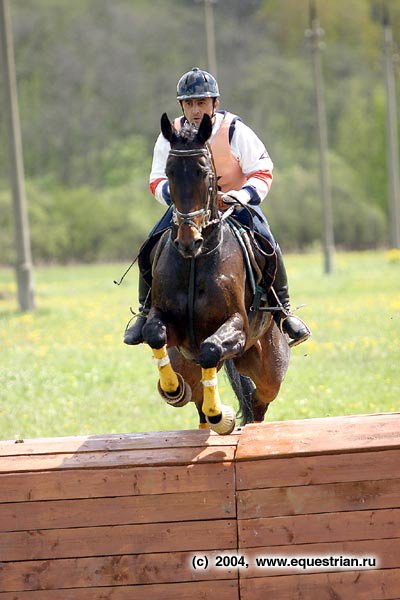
(169, 381)
(211, 400)
(171, 386)
(220, 418)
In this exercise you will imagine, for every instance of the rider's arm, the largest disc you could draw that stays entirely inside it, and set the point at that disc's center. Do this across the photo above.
(255, 163)
(158, 180)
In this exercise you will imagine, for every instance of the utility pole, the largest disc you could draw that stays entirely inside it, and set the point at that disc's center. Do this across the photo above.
(22, 238)
(392, 131)
(210, 35)
(314, 35)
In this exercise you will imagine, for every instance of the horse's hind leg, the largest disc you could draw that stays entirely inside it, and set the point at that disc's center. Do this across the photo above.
(266, 364)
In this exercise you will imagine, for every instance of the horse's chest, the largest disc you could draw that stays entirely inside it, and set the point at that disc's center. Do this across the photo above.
(196, 289)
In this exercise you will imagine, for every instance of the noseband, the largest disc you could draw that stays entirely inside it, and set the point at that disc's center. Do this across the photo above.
(187, 218)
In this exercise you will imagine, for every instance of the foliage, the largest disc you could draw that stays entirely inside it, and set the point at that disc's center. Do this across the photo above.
(95, 76)
(65, 370)
(82, 224)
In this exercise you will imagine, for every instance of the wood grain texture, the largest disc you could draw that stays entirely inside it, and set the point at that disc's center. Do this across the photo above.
(125, 510)
(120, 539)
(115, 442)
(313, 470)
(129, 481)
(386, 553)
(326, 527)
(195, 590)
(335, 435)
(138, 569)
(113, 517)
(101, 460)
(330, 497)
(350, 585)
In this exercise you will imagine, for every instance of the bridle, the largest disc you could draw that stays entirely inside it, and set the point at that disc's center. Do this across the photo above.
(180, 218)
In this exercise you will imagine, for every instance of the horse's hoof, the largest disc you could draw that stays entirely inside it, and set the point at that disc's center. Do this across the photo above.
(181, 397)
(226, 423)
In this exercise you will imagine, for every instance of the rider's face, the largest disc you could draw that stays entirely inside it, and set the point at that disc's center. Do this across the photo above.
(195, 108)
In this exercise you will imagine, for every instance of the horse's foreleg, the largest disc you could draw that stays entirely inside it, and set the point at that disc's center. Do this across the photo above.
(228, 341)
(171, 385)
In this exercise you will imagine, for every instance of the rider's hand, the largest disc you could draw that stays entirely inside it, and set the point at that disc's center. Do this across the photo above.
(232, 197)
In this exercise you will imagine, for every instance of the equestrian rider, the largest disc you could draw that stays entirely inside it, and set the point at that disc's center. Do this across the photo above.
(244, 173)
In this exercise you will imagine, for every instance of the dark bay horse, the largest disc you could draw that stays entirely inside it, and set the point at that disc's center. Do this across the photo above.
(201, 298)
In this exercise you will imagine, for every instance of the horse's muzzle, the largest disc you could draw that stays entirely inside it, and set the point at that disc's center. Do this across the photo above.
(189, 246)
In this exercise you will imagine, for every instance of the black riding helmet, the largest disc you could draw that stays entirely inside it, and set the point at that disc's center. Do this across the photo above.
(197, 83)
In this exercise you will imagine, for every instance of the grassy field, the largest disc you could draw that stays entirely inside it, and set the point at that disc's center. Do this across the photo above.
(65, 371)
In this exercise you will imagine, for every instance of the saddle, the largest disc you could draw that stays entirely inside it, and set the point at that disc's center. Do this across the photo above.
(260, 260)
(258, 254)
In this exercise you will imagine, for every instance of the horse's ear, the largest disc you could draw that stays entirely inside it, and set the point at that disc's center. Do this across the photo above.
(166, 127)
(205, 129)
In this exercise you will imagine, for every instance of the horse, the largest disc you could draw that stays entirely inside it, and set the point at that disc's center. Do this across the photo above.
(201, 296)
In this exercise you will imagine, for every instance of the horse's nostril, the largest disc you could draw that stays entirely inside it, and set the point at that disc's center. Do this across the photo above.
(198, 243)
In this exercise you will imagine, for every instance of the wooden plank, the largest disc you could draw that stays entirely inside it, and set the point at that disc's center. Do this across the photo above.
(345, 585)
(113, 442)
(203, 590)
(330, 497)
(306, 470)
(101, 460)
(125, 510)
(128, 481)
(386, 552)
(326, 527)
(173, 567)
(332, 435)
(126, 539)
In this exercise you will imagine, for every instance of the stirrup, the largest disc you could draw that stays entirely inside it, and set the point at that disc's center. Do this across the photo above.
(138, 339)
(295, 341)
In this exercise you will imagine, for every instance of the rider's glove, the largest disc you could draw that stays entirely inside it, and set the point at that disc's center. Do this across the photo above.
(233, 196)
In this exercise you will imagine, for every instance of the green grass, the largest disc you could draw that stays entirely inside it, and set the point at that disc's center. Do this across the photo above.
(65, 371)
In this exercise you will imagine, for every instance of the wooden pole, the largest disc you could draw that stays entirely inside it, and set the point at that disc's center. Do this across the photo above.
(210, 34)
(314, 34)
(24, 269)
(392, 132)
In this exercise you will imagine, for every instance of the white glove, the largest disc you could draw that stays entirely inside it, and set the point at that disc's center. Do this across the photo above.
(230, 197)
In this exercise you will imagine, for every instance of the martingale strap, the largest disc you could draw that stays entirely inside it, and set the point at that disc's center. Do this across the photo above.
(191, 295)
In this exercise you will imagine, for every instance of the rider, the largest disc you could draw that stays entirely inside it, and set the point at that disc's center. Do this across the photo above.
(244, 173)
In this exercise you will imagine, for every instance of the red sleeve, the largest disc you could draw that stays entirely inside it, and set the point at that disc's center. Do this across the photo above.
(154, 184)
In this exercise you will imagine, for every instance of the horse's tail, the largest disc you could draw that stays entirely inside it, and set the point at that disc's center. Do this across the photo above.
(243, 388)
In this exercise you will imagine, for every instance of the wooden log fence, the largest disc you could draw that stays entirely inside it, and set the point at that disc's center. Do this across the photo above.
(117, 517)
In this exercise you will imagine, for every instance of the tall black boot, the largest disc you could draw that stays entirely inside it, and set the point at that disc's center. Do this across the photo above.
(288, 323)
(133, 335)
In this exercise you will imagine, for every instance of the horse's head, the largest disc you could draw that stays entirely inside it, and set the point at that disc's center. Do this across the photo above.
(192, 183)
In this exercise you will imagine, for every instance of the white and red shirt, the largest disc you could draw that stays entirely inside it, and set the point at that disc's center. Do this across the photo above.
(241, 160)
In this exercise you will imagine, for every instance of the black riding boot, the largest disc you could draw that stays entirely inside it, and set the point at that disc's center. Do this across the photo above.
(133, 335)
(288, 323)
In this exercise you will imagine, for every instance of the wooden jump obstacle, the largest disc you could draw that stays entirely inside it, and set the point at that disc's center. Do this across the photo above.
(120, 517)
